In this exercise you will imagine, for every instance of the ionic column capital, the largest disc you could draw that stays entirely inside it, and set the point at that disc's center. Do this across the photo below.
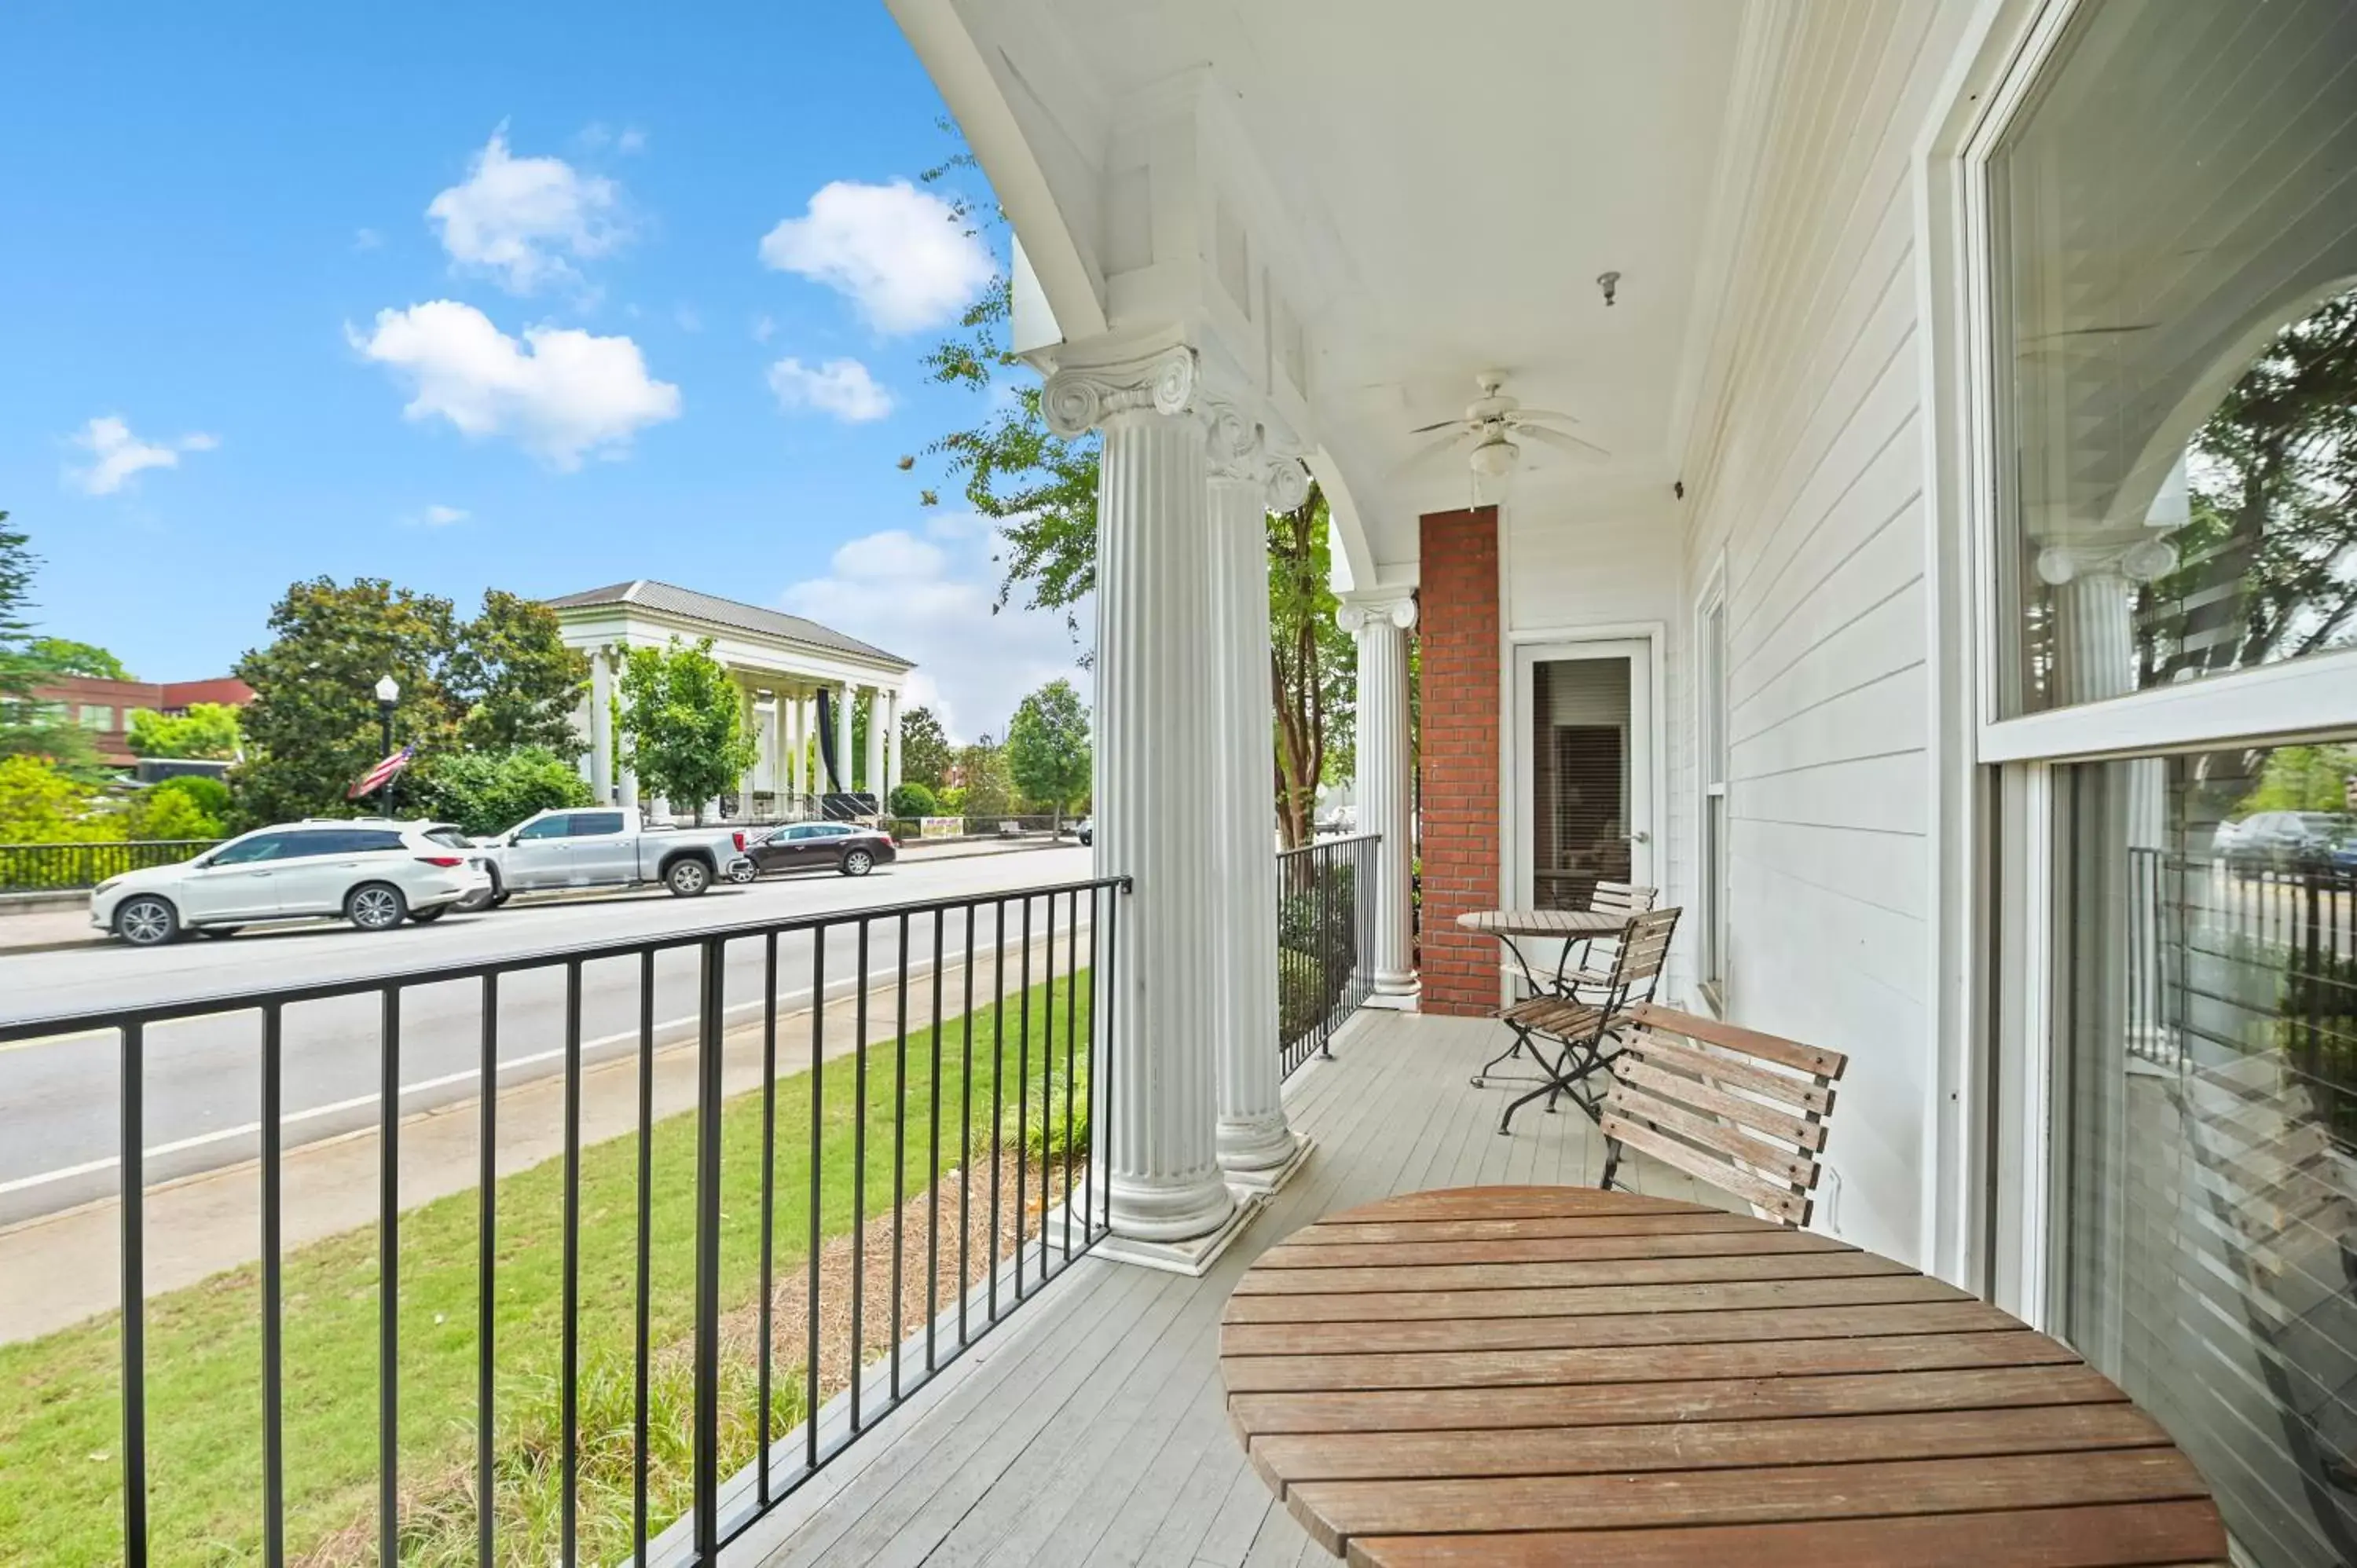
(1395, 606)
(2134, 560)
(1161, 380)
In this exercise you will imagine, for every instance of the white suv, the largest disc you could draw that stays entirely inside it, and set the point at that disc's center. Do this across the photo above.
(374, 874)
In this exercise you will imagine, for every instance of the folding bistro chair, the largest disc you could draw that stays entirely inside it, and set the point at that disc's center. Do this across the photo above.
(1744, 1112)
(1584, 964)
(1572, 1038)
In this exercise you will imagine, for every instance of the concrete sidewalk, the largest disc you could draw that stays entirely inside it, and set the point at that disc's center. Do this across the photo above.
(37, 929)
(63, 1268)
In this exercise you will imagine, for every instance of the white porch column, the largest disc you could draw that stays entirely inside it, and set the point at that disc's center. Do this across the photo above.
(1157, 820)
(891, 703)
(798, 735)
(773, 750)
(1380, 619)
(748, 719)
(843, 735)
(601, 726)
(1256, 1148)
(873, 779)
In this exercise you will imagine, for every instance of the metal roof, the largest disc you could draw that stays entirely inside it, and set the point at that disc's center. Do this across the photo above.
(666, 599)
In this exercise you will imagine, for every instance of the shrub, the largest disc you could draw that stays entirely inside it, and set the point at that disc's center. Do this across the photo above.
(913, 800)
(162, 813)
(39, 803)
(490, 791)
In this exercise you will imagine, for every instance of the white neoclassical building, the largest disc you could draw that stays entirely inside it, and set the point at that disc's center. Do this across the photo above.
(781, 662)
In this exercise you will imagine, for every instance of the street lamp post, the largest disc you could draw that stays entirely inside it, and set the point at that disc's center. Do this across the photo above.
(387, 693)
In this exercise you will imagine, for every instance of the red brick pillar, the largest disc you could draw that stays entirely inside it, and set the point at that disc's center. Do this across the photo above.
(1457, 794)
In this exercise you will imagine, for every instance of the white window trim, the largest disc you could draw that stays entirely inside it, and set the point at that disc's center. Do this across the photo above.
(1709, 730)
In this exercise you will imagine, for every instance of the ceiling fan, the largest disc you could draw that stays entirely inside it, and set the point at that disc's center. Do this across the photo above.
(1492, 428)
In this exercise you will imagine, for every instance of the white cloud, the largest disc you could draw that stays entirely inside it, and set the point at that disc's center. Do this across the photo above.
(560, 392)
(840, 387)
(631, 140)
(438, 516)
(764, 328)
(366, 240)
(687, 317)
(930, 599)
(116, 453)
(902, 255)
(524, 221)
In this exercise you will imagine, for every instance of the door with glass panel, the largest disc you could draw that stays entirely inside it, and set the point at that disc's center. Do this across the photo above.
(1583, 784)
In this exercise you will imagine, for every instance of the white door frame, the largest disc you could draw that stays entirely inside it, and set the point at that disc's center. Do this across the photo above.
(1641, 642)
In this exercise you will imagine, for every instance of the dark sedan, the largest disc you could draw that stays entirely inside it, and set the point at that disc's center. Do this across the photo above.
(844, 847)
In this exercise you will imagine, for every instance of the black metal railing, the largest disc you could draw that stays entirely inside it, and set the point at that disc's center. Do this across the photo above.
(966, 1032)
(62, 867)
(1325, 942)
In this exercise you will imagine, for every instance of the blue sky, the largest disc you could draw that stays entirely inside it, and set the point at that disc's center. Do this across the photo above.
(531, 299)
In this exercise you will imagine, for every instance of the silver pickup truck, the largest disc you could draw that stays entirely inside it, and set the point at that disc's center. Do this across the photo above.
(595, 848)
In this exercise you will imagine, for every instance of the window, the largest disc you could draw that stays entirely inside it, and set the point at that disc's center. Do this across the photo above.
(2205, 1144)
(596, 824)
(248, 851)
(97, 716)
(449, 838)
(1712, 740)
(546, 828)
(2176, 307)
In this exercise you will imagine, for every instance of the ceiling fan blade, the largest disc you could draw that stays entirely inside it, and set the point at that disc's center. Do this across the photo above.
(1557, 438)
(1423, 457)
(1428, 429)
(1543, 414)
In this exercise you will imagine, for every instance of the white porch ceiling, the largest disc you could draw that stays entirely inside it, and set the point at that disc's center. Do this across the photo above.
(1436, 188)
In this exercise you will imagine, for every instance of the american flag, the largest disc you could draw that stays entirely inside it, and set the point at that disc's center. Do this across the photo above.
(384, 773)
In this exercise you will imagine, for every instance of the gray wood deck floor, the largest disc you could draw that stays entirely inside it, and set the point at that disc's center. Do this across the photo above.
(1092, 1428)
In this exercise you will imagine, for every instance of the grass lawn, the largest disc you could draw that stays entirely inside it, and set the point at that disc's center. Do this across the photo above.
(60, 1414)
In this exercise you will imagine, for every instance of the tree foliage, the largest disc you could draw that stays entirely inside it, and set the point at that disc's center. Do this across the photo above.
(1313, 666)
(208, 730)
(986, 786)
(1047, 746)
(40, 804)
(490, 791)
(911, 798)
(313, 726)
(29, 727)
(517, 683)
(186, 808)
(64, 656)
(682, 724)
(925, 752)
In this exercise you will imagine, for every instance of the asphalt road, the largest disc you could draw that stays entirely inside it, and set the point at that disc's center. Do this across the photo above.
(60, 1096)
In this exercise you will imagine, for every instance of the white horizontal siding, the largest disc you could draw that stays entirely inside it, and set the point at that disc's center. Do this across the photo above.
(1805, 474)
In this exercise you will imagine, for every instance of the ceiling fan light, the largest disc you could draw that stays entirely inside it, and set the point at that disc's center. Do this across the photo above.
(1494, 458)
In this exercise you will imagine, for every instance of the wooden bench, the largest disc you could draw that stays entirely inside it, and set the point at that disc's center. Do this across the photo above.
(1742, 1110)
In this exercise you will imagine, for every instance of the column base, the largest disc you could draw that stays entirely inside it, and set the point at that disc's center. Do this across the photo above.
(1263, 1181)
(1171, 1209)
(1403, 993)
(1192, 1257)
(1245, 1146)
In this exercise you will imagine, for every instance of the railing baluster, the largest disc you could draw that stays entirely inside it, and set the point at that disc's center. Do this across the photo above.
(1023, 1097)
(933, 1164)
(708, 1252)
(965, 1131)
(817, 1164)
(274, 1415)
(569, 1325)
(858, 1167)
(1096, 1073)
(388, 1315)
(487, 1161)
(642, 1275)
(1112, 1006)
(769, 1201)
(134, 1295)
(1047, 1082)
(1071, 1018)
(998, 1071)
(899, 1135)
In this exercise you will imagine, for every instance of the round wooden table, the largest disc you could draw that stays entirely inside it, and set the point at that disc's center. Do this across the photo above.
(1521, 1375)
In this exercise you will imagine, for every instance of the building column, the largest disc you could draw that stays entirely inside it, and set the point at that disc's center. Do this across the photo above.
(798, 736)
(773, 747)
(1256, 1148)
(601, 726)
(843, 734)
(874, 776)
(892, 701)
(1380, 619)
(1158, 822)
(749, 720)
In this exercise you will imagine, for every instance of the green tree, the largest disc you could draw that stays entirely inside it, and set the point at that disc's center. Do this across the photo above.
(986, 787)
(1313, 666)
(313, 727)
(28, 726)
(514, 679)
(683, 724)
(40, 804)
(206, 730)
(2302, 778)
(910, 799)
(63, 656)
(491, 791)
(925, 754)
(1047, 746)
(171, 810)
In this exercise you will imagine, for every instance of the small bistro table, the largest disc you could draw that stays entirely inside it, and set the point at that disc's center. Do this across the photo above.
(1565, 925)
(1519, 1376)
